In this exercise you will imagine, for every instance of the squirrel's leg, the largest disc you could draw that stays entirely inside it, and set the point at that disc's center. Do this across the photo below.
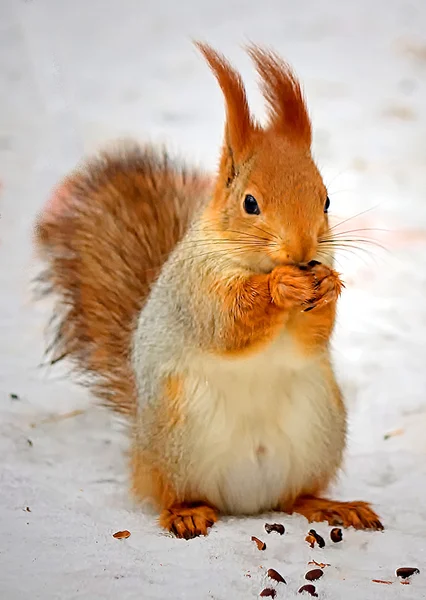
(356, 514)
(316, 508)
(184, 519)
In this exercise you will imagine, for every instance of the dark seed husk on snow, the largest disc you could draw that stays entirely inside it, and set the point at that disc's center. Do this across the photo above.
(310, 589)
(273, 574)
(314, 574)
(268, 592)
(405, 572)
(260, 545)
(318, 538)
(270, 527)
(336, 535)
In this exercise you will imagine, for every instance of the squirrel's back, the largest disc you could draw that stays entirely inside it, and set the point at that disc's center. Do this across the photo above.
(104, 236)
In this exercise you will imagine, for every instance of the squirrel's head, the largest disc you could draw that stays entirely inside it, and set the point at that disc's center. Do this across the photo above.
(269, 202)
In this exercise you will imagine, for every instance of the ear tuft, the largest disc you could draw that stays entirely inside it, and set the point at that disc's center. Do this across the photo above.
(288, 113)
(239, 124)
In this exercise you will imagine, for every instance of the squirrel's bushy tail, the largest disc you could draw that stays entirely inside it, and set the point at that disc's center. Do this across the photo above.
(103, 236)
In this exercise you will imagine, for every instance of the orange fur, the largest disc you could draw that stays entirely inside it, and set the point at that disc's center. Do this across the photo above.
(240, 126)
(105, 234)
(313, 329)
(349, 514)
(149, 481)
(256, 308)
(188, 520)
(173, 390)
(185, 519)
(288, 113)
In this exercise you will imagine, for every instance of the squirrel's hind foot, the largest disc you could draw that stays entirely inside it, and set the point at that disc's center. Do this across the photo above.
(188, 520)
(348, 514)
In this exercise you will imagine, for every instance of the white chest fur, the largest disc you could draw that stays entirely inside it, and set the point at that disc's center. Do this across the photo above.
(262, 427)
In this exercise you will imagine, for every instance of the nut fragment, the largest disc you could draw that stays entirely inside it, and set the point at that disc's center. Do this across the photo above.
(268, 592)
(319, 564)
(121, 535)
(273, 574)
(336, 535)
(311, 540)
(310, 589)
(275, 527)
(393, 433)
(314, 574)
(319, 540)
(260, 545)
(382, 581)
(405, 572)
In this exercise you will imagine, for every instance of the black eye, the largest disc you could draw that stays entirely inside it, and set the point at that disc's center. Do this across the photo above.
(251, 206)
(327, 205)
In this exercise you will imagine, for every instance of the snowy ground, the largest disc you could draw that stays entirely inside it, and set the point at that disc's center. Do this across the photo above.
(77, 74)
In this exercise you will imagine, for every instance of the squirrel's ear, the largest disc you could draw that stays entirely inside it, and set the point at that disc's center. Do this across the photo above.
(239, 123)
(288, 113)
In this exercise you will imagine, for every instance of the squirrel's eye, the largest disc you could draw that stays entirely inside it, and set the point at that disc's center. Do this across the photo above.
(327, 205)
(250, 205)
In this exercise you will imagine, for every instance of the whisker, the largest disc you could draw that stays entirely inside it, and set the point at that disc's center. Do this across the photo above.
(351, 248)
(267, 232)
(336, 233)
(223, 261)
(324, 256)
(354, 240)
(355, 216)
(336, 240)
(207, 243)
(352, 252)
(329, 182)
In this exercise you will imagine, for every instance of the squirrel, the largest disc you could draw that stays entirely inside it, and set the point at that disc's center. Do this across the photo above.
(202, 307)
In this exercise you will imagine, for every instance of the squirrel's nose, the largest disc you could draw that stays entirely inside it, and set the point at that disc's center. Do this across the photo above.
(303, 256)
(309, 265)
(302, 249)
(299, 251)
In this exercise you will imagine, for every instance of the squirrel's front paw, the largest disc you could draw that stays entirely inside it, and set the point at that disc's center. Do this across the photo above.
(327, 287)
(291, 286)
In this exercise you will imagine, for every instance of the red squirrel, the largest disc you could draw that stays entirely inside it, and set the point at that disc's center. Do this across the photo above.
(203, 307)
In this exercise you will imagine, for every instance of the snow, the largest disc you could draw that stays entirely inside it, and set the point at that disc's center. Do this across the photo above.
(76, 75)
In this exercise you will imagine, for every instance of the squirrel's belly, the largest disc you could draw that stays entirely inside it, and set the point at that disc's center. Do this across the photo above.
(262, 437)
(247, 482)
